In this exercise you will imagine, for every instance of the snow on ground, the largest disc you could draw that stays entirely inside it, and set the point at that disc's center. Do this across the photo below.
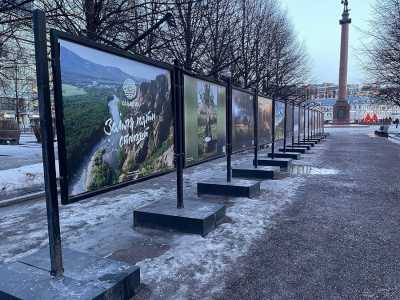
(174, 266)
(22, 177)
(27, 152)
(190, 265)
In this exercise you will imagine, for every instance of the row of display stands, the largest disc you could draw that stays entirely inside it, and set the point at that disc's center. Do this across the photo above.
(70, 274)
(201, 217)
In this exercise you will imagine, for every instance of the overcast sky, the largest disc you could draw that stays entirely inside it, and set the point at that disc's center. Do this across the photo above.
(317, 23)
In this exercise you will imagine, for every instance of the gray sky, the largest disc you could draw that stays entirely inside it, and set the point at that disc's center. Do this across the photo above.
(317, 23)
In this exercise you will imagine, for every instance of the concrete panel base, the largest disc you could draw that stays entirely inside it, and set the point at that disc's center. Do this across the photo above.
(291, 150)
(304, 144)
(307, 147)
(234, 188)
(261, 172)
(295, 156)
(197, 217)
(85, 277)
(283, 163)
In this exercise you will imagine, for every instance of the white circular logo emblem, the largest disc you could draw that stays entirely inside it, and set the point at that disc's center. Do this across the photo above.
(130, 89)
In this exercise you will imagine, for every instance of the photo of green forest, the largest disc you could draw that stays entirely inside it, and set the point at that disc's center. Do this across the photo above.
(117, 118)
(264, 121)
(242, 120)
(205, 119)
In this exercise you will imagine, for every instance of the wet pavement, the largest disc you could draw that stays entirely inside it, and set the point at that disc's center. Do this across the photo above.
(327, 231)
(340, 238)
(28, 152)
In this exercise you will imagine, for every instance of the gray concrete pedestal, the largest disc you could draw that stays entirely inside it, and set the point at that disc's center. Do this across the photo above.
(234, 188)
(197, 217)
(261, 172)
(85, 277)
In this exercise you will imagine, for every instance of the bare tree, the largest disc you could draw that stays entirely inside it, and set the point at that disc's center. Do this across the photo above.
(383, 50)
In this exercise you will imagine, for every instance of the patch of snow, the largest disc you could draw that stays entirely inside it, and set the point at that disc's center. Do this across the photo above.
(22, 177)
(394, 140)
(193, 265)
(317, 171)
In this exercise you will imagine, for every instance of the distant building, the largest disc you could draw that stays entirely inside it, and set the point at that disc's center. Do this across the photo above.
(360, 98)
(26, 109)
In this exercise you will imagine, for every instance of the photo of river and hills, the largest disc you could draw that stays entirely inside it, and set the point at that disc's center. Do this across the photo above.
(117, 118)
(205, 119)
(242, 120)
(264, 121)
(279, 120)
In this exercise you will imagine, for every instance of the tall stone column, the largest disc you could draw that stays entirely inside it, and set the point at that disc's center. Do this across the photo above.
(341, 109)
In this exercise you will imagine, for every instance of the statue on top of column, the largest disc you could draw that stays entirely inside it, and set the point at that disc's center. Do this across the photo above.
(346, 5)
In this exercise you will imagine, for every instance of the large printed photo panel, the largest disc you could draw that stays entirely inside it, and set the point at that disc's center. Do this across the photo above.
(296, 122)
(279, 120)
(264, 121)
(242, 120)
(289, 122)
(205, 120)
(301, 122)
(114, 116)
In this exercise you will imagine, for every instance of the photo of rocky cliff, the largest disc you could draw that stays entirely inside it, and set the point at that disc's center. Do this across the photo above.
(118, 119)
(205, 119)
(242, 120)
(279, 120)
(264, 121)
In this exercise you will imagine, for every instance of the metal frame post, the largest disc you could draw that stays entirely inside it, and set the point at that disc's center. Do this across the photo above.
(273, 128)
(255, 108)
(229, 130)
(312, 124)
(50, 176)
(299, 133)
(308, 124)
(293, 124)
(284, 128)
(304, 123)
(178, 133)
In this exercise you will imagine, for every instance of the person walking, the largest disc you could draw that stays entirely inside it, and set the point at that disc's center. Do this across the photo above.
(397, 122)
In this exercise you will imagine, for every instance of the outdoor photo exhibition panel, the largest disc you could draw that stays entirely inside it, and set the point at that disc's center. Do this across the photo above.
(114, 117)
(289, 122)
(264, 121)
(306, 123)
(204, 120)
(296, 119)
(242, 120)
(301, 125)
(279, 120)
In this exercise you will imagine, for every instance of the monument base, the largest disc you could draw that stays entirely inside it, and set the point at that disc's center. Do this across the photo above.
(85, 277)
(261, 172)
(341, 112)
(283, 163)
(295, 155)
(292, 149)
(234, 188)
(197, 217)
